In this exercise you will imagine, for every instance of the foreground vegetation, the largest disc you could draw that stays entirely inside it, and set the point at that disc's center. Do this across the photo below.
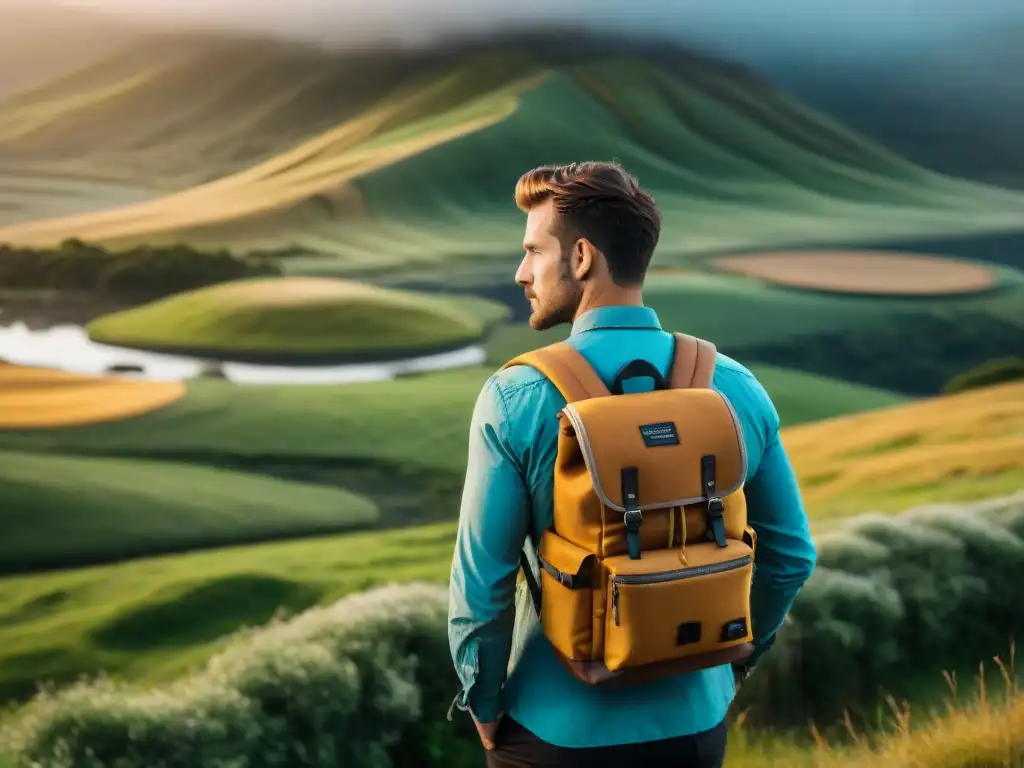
(983, 730)
(893, 600)
(151, 618)
(367, 679)
(285, 319)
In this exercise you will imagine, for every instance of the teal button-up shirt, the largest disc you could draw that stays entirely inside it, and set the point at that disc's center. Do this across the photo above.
(501, 657)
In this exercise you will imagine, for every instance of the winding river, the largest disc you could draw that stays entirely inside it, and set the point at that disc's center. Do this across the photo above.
(68, 347)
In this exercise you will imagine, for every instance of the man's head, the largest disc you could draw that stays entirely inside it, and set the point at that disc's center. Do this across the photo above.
(590, 234)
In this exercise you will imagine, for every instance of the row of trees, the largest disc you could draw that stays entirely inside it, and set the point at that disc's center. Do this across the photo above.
(144, 271)
(917, 354)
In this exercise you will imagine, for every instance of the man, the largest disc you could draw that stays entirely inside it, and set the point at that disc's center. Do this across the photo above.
(590, 234)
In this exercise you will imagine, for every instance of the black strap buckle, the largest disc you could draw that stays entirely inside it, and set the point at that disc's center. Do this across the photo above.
(716, 507)
(633, 519)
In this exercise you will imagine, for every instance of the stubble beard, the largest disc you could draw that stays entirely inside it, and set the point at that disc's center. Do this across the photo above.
(562, 305)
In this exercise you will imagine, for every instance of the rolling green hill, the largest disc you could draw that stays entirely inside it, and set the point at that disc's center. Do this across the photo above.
(61, 512)
(375, 159)
(416, 424)
(282, 320)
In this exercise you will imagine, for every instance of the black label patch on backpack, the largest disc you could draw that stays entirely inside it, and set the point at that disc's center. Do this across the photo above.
(734, 630)
(688, 632)
(662, 433)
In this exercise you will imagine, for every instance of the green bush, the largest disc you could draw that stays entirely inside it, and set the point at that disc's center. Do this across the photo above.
(893, 601)
(993, 372)
(367, 681)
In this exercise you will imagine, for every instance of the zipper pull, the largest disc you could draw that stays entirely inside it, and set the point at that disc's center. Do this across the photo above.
(615, 602)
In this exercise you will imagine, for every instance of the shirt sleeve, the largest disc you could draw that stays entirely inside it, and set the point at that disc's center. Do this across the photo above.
(785, 555)
(493, 524)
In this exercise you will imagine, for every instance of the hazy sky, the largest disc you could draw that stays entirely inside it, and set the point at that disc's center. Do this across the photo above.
(751, 29)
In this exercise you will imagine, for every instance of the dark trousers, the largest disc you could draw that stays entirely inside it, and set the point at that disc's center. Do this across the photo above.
(516, 747)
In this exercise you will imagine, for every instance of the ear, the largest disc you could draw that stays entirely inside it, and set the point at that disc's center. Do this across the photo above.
(583, 259)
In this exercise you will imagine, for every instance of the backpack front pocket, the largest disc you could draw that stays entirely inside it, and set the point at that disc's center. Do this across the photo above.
(672, 604)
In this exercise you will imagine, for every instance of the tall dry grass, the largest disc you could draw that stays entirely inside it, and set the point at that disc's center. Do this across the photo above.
(985, 730)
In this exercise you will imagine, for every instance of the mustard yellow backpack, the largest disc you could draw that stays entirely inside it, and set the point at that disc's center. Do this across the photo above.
(646, 570)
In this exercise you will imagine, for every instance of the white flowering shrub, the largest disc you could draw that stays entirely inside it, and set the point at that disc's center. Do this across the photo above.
(364, 682)
(895, 600)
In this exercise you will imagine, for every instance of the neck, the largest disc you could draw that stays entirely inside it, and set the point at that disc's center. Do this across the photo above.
(610, 296)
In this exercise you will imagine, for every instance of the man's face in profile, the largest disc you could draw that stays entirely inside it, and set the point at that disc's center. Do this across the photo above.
(545, 273)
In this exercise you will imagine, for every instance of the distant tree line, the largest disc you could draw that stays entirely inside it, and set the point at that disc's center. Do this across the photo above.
(988, 374)
(143, 271)
(915, 354)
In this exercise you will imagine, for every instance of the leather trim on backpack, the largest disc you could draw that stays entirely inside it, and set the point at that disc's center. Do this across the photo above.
(597, 673)
(732, 459)
(693, 363)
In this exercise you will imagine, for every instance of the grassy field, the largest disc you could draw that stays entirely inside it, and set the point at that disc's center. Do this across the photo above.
(61, 511)
(734, 164)
(985, 730)
(55, 624)
(291, 450)
(964, 446)
(280, 318)
(151, 618)
(139, 621)
(42, 397)
(419, 421)
(422, 420)
(228, 504)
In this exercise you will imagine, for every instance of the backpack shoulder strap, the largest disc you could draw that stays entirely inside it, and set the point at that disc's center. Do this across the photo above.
(693, 363)
(576, 380)
(566, 368)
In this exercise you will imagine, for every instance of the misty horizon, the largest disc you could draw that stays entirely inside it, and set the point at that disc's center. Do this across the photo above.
(753, 31)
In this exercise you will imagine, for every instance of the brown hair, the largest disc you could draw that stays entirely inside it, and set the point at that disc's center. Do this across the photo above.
(603, 203)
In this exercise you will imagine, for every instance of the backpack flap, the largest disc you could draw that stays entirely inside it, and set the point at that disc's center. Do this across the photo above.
(661, 451)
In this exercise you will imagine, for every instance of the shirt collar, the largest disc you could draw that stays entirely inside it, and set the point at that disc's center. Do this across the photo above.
(643, 318)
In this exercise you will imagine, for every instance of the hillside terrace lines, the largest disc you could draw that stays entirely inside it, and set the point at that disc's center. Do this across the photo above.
(321, 164)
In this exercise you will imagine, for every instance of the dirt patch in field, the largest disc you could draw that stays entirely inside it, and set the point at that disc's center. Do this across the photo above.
(864, 272)
(40, 398)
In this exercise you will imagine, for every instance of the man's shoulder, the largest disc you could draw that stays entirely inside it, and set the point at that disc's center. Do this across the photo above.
(745, 391)
(522, 385)
(731, 372)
